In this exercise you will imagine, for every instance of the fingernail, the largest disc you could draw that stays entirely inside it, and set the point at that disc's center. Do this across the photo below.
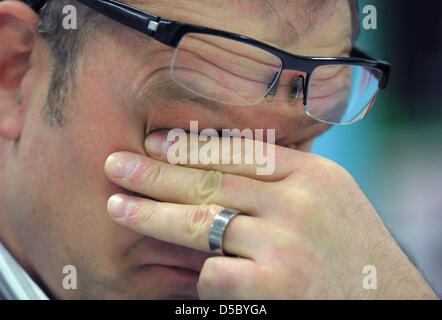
(157, 144)
(119, 207)
(121, 165)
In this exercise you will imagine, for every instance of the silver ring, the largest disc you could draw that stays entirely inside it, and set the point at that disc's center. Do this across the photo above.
(218, 228)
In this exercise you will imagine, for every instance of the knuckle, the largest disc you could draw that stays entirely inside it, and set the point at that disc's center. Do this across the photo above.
(153, 173)
(199, 220)
(216, 278)
(321, 162)
(211, 275)
(305, 199)
(323, 168)
(146, 215)
(207, 187)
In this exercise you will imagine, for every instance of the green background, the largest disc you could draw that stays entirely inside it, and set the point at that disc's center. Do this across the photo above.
(395, 154)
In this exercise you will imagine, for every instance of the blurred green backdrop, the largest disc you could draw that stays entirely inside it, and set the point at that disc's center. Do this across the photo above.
(395, 154)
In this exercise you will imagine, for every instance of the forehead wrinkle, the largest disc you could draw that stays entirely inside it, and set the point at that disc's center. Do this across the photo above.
(280, 22)
(292, 20)
(288, 31)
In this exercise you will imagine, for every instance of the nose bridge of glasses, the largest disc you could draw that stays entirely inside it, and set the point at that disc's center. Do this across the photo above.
(296, 89)
(273, 87)
(291, 80)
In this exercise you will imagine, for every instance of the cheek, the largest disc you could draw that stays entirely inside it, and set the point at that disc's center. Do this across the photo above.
(94, 134)
(99, 121)
(64, 188)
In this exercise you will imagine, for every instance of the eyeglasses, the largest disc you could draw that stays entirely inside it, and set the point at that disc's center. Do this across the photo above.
(233, 69)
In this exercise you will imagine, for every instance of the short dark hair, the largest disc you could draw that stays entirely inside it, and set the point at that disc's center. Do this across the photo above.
(65, 46)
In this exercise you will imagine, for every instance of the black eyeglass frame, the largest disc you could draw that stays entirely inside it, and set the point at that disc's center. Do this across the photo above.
(171, 32)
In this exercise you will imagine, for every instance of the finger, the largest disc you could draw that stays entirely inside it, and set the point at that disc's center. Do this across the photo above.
(170, 183)
(226, 278)
(246, 157)
(186, 225)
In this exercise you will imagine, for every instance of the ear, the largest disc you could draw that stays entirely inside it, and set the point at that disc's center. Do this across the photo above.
(18, 26)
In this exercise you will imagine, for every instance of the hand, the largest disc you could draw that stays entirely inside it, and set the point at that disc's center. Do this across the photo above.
(307, 233)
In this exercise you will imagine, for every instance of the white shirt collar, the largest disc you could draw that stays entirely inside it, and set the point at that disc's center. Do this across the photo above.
(15, 283)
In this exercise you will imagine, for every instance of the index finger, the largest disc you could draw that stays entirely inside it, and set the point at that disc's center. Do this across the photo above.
(244, 157)
(170, 183)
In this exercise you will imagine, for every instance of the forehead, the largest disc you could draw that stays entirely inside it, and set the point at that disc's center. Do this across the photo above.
(288, 24)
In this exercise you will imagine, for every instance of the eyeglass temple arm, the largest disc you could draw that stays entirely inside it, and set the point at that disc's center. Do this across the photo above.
(385, 67)
(36, 5)
(357, 53)
(127, 15)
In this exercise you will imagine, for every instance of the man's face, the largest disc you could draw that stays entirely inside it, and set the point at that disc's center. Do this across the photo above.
(57, 190)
